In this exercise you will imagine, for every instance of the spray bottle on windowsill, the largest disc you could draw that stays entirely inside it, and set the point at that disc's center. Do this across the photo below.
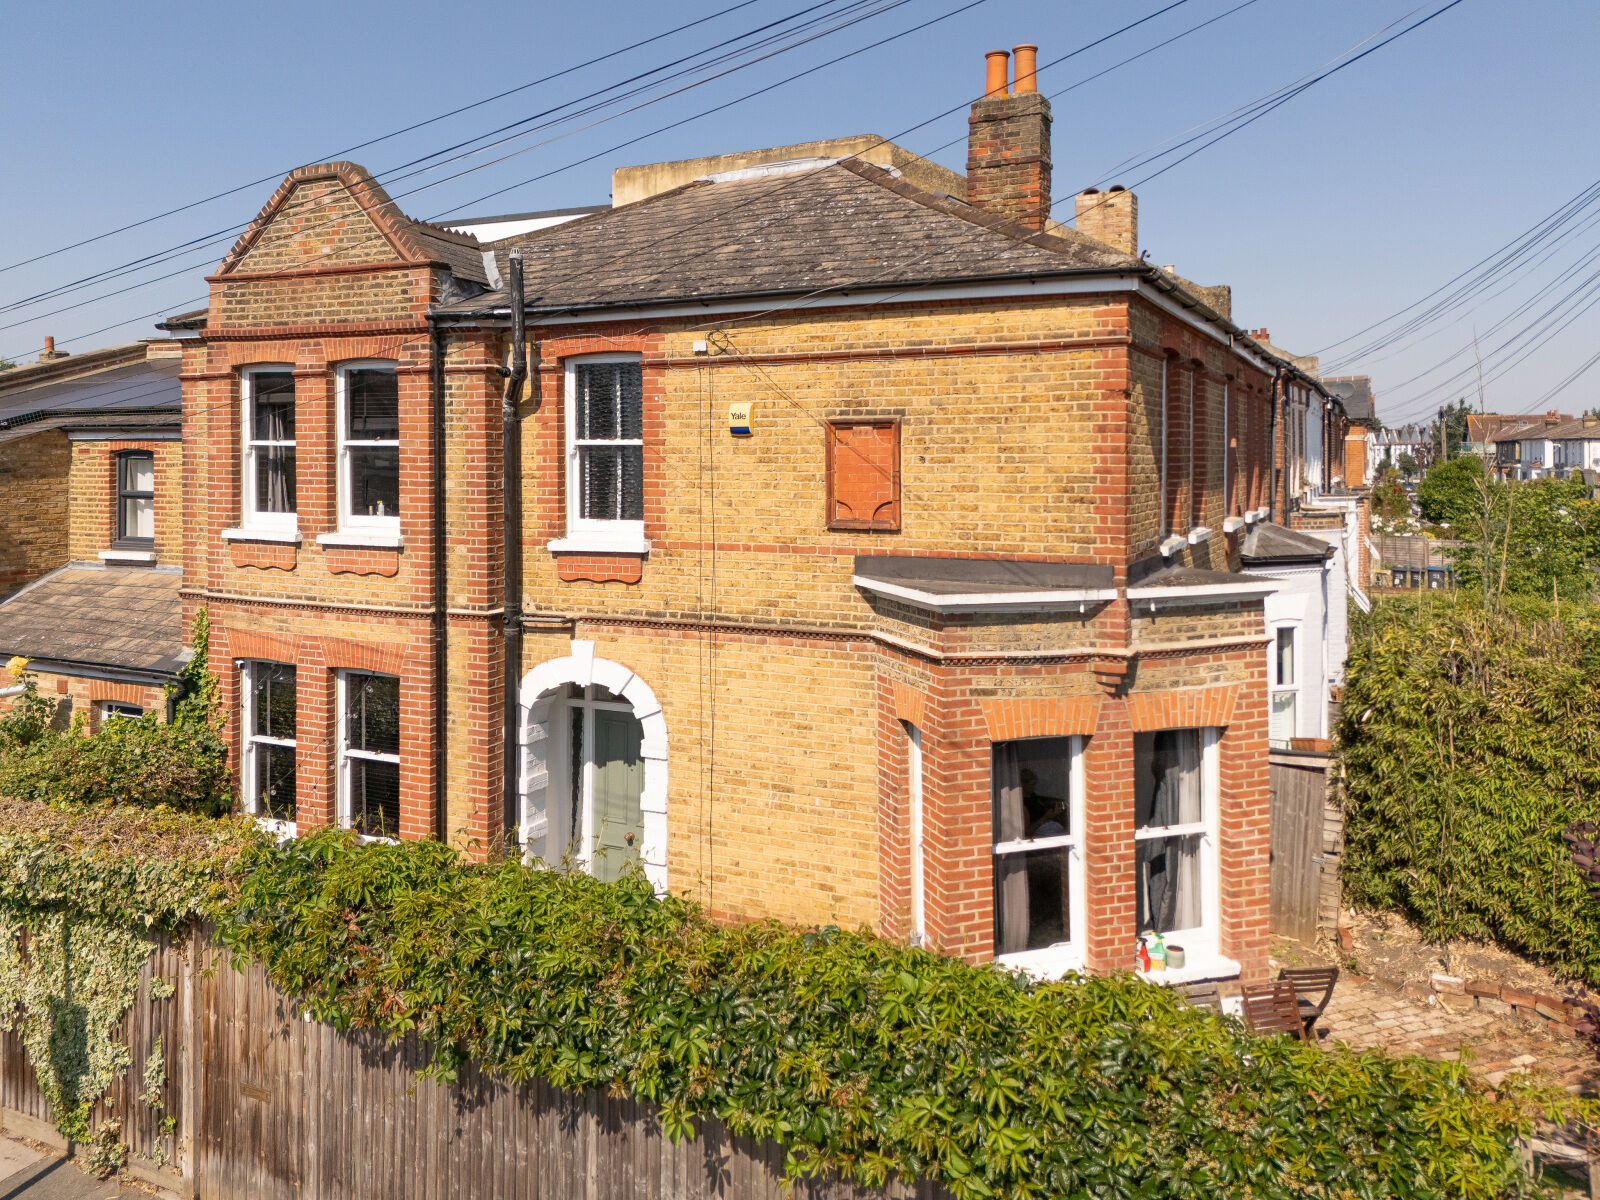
(1141, 955)
(1158, 953)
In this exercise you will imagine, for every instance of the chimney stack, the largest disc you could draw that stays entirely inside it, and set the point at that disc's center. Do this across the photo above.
(1111, 217)
(50, 353)
(1008, 143)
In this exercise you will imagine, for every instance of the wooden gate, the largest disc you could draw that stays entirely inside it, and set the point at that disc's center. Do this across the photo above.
(1299, 792)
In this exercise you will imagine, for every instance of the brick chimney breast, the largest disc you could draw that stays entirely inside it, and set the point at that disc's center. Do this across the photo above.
(1111, 217)
(1008, 157)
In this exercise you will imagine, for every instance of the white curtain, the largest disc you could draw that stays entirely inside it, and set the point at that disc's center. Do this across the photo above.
(1013, 868)
(1169, 868)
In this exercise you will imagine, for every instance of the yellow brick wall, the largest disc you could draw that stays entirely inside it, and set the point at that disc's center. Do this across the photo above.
(93, 483)
(34, 507)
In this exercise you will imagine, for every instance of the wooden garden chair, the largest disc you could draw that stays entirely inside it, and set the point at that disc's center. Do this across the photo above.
(1202, 995)
(1271, 1008)
(1313, 988)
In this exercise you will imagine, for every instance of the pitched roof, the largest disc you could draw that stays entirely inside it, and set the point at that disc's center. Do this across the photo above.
(1354, 392)
(1586, 428)
(144, 383)
(108, 617)
(412, 240)
(835, 225)
(1267, 544)
(110, 423)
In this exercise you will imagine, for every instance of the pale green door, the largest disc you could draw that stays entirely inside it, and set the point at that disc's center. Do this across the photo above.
(618, 784)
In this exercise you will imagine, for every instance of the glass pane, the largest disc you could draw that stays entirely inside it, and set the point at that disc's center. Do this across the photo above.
(375, 483)
(1166, 778)
(275, 782)
(1282, 726)
(274, 699)
(373, 716)
(372, 401)
(138, 473)
(375, 797)
(1285, 656)
(610, 401)
(1168, 885)
(272, 403)
(618, 785)
(275, 479)
(611, 479)
(1031, 892)
(121, 710)
(139, 518)
(1032, 787)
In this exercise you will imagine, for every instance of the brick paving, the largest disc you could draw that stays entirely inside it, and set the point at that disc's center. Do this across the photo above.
(1366, 1014)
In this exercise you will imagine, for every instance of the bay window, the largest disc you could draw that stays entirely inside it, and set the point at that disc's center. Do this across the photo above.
(1175, 838)
(268, 475)
(1037, 793)
(269, 720)
(369, 753)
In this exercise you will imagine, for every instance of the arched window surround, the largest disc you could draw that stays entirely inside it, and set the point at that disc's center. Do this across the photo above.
(539, 689)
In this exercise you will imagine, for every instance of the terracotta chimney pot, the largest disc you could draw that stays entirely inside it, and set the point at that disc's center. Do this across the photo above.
(995, 82)
(1027, 77)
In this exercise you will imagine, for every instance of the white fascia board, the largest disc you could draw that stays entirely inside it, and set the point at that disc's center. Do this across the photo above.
(972, 602)
(1200, 593)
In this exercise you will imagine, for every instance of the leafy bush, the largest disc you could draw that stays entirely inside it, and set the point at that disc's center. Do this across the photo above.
(1540, 538)
(29, 715)
(1469, 741)
(864, 1057)
(1452, 492)
(142, 762)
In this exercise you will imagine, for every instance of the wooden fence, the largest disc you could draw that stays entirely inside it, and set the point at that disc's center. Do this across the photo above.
(271, 1106)
(1304, 873)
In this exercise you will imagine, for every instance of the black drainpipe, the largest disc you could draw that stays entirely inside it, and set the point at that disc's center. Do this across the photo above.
(511, 505)
(441, 750)
(1272, 445)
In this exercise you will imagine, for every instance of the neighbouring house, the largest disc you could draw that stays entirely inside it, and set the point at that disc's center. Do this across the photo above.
(862, 547)
(1480, 431)
(1526, 450)
(1575, 446)
(91, 525)
(1387, 447)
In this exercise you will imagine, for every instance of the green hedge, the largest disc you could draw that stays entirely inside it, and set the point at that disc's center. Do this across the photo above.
(1469, 741)
(864, 1057)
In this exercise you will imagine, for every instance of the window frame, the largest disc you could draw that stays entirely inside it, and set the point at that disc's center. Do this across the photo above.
(117, 710)
(1067, 955)
(1201, 942)
(249, 740)
(352, 522)
(123, 539)
(347, 753)
(595, 532)
(251, 516)
(916, 833)
(1275, 684)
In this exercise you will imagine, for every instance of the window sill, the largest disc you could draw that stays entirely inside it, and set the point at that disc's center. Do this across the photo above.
(1233, 525)
(1050, 963)
(1199, 534)
(362, 539)
(1201, 964)
(599, 543)
(291, 536)
(128, 556)
(1173, 544)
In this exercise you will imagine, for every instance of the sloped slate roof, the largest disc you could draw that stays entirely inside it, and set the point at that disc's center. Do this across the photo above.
(458, 251)
(1355, 394)
(114, 422)
(837, 225)
(127, 617)
(1267, 543)
(149, 383)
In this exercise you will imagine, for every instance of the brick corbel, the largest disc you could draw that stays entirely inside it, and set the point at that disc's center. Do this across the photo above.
(342, 560)
(266, 556)
(600, 568)
(1111, 674)
(1188, 708)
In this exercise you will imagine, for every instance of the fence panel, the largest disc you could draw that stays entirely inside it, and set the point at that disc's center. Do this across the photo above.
(1299, 784)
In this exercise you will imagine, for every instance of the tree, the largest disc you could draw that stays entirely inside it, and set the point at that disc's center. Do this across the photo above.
(1407, 465)
(1534, 539)
(1455, 426)
(1451, 493)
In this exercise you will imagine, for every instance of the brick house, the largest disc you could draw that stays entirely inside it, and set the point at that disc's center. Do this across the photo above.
(91, 524)
(874, 551)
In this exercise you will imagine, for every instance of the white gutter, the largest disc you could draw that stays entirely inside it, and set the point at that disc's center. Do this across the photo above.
(1055, 600)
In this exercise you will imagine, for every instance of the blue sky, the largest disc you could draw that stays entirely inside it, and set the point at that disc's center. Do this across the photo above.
(1347, 203)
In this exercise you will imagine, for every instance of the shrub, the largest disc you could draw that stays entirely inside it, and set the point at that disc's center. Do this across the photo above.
(1452, 493)
(864, 1057)
(1469, 741)
(142, 762)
